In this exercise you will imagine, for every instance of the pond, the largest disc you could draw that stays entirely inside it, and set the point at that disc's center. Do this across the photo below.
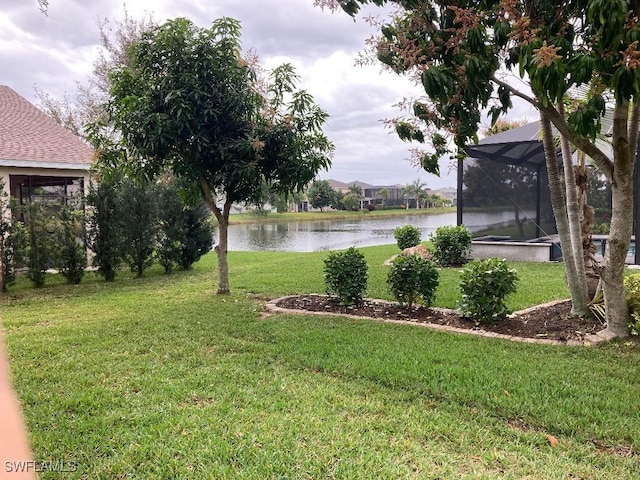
(310, 236)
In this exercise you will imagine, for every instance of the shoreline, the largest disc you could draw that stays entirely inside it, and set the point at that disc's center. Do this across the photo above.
(246, 218)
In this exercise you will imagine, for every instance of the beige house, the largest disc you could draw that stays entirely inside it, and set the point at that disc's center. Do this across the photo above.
(39, 159)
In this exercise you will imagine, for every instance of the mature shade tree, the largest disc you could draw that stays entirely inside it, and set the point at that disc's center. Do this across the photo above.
(187, 101)
(321, 194)
(464, 54)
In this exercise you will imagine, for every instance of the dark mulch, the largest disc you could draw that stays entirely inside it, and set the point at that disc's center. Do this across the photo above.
(552, 322)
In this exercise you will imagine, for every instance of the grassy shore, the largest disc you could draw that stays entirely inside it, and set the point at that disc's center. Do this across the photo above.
(161, 378)
(238, 218)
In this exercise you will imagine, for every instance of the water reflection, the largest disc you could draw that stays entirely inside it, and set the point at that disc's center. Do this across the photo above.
(309, 236)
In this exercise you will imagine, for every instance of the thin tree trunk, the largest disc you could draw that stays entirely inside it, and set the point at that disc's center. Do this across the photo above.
(615, 299)
(579, 301)
(573, 213)
(221, 248)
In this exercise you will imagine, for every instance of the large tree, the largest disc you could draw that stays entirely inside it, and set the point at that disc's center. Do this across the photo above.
(321, 194)
(472, 56)
(186, 100)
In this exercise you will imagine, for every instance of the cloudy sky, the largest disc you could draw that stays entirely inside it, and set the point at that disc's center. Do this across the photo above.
(55, 51)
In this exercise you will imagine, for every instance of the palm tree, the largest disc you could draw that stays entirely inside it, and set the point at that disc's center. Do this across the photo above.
(414, 190)
(383, 193)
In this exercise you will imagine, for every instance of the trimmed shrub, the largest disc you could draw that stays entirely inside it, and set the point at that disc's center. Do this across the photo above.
(139, 230)
(70, 257)
(632, 287)
(198, 235)
(413, 279)
(451, 245)
(39, 226)
(345, 276)
(105, 219)
(407, 236)
(485, 284)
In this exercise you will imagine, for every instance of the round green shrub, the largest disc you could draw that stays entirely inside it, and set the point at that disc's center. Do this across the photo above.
(450, 245)
(407, 236)
(484, 285)
(345, 276)
(632, 287)
(413, 279)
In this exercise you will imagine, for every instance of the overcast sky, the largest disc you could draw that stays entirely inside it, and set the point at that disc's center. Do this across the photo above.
(55, 51)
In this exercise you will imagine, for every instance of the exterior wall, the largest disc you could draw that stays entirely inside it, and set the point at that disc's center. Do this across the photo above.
(525, 251)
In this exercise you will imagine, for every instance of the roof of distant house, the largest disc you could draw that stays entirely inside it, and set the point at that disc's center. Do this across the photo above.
(30, 138)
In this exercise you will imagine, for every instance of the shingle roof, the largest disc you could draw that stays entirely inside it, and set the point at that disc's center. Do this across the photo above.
(29, 137)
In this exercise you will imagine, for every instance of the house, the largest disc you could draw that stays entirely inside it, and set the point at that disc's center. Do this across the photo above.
(39, 159)
(370, 192)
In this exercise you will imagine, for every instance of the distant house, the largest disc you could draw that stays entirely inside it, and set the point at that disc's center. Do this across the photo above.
(39, 159)
(370, 192)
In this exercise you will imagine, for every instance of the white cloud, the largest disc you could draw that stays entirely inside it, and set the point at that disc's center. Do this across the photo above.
(57, 50)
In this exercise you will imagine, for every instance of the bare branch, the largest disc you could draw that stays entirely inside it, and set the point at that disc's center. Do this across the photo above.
(515, 91)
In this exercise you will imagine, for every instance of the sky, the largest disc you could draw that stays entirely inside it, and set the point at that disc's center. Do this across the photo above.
(54, 52)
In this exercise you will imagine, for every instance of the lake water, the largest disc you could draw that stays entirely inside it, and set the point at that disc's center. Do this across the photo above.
(302, 236)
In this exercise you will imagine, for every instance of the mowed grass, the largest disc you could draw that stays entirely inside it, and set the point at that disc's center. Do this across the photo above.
(161, 378)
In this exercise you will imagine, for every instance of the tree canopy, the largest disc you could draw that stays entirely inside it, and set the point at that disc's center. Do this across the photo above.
(474, 57)
(321, 194)
(189, 102)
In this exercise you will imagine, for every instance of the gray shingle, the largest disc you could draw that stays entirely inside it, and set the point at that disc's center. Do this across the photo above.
(28, 134)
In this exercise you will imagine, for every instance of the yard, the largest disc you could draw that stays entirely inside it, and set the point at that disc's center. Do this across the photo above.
(160, 378)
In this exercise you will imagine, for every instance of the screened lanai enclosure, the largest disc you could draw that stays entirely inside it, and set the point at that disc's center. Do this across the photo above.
(504, 198)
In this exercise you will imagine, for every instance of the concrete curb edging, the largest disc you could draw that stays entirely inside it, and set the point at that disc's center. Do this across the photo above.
(272, 307)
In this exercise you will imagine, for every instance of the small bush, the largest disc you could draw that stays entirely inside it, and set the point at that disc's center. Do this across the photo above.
(70, 257)
(407, 236)
(634, 324)
(413, 279)
(451, 245)
(632, 287)
(485, 284)
(345, 276)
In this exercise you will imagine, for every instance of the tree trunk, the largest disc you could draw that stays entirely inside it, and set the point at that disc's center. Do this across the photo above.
(579, 300)
(615, 299)
(223, 232)
(573, 213)
(222, 249)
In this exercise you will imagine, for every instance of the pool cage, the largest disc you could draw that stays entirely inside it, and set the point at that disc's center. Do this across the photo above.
(503, 190)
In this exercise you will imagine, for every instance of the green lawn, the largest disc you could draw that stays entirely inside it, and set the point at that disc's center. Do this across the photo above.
(160, 378)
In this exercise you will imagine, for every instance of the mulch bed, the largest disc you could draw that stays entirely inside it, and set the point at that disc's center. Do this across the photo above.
(549, 321)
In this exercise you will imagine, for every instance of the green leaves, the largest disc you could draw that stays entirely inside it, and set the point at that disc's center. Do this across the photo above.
(450, 245)
(345, 276)
(407, 236)
(413, 279)
(484, 285)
